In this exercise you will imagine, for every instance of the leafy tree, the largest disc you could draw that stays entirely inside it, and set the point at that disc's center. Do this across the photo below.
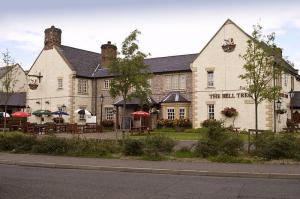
(261, 68)
(130, 73)
(8, 81)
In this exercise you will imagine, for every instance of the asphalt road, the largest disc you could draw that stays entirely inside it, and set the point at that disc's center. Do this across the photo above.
(27, 182)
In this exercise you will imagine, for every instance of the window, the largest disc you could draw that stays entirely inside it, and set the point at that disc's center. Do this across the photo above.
(292, 83)
(211, 111)
(210, 78)
(285, 79)
(170, 113)
(60, 83)
(278, 80)
(181, 113)
(175, 82)
(82, 86)
(106, 84)
(109, 113)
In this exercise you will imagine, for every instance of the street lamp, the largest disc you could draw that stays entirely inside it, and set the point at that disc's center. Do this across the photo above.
(278, 104)
(63, 107)
(291, 93)
(101, 101)
(28, 109)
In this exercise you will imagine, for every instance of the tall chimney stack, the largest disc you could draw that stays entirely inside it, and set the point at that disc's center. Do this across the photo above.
(52, 37)
(108, 52)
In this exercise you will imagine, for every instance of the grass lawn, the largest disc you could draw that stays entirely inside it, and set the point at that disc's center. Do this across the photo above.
(173, 135)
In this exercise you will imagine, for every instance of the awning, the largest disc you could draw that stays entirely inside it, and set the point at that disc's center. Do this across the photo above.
(14, 99)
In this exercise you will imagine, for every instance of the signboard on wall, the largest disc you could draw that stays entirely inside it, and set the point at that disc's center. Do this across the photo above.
(90, 119)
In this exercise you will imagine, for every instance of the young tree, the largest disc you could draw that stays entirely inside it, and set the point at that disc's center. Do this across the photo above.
(261, 69)
(8, 80)
(130, 73)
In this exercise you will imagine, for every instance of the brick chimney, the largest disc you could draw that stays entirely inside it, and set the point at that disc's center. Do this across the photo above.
(52, 37)
(108, 52)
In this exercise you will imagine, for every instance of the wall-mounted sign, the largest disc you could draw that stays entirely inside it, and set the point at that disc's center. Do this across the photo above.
(228, 45)
(229, 95)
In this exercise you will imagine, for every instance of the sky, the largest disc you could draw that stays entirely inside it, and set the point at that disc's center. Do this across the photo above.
(169, 27)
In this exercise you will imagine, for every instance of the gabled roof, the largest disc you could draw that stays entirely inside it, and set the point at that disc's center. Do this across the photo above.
(85, 62)
(174, 97)
(5, 69)
(135, 101)
(278, 58)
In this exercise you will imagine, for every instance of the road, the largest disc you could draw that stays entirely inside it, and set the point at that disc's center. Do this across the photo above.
(18, 182)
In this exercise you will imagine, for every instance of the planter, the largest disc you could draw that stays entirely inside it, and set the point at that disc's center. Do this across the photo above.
(33, 86)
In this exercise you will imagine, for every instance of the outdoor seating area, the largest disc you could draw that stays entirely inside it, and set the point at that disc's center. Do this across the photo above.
(49, 128)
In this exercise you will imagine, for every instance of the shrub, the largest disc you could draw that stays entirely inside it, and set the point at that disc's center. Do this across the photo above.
(133, 147)
(108, 123)
(157, 145)
(206, 148)
(276, 146)
(232, 146)
(51, 145)
(212, 123)
(16, 141)
(165, 123)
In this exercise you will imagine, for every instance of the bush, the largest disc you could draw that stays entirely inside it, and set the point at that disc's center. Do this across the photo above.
(51, 145)
(273, 146)
(165, 123)
(212, 123)
(232, 146)
(217, 142)
(108, 123)
(16, 141)
(157, 145)
(133, 147)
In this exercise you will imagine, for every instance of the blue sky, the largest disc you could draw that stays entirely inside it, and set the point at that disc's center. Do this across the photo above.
(168, 27)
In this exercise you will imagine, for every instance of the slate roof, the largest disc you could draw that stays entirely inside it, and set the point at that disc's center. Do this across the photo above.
(85, 62)
(174, 97)
(16, 99)
(135, 101)
(295, 102)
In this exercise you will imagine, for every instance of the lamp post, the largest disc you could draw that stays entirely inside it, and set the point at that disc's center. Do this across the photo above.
(291, 93)
(101, 107)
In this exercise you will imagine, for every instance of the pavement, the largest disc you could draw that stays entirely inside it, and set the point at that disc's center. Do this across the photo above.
(275, 171)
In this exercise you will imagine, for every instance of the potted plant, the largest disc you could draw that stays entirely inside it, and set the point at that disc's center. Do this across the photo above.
(230, 112)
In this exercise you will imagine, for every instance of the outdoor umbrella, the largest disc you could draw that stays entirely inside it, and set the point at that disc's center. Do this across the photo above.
(140, 114)
(60, 113)
(3, 114)
(83, 112)
(40, 113)
(20, 114)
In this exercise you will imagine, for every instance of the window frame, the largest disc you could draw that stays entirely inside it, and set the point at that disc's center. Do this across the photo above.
(172, 116)
(180, 113)
(210, 111)
(106, 84)
(109, 115)
(210, 79)
(82, 86)
(60, 83)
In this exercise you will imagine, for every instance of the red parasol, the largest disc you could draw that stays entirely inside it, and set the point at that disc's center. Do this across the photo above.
(20, 114)
(140, 114)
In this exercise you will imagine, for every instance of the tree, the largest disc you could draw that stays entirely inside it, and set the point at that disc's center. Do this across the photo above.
(261, 69)
(130, 72)
(8, 80)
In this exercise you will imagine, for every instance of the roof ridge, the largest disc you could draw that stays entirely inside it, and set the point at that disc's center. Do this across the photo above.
(172, 56)
(80, 49)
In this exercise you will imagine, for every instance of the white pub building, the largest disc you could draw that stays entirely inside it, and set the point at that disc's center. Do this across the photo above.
(195, 87)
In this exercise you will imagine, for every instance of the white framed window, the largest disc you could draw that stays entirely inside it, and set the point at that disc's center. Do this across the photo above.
(59, 83)
(170, 113)
(106, 84)
(285, 79)
(82, 86)
(109, 113)
(211, 111)
(278, 80)
(181, 113)
(210, 78)
(175, 82)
